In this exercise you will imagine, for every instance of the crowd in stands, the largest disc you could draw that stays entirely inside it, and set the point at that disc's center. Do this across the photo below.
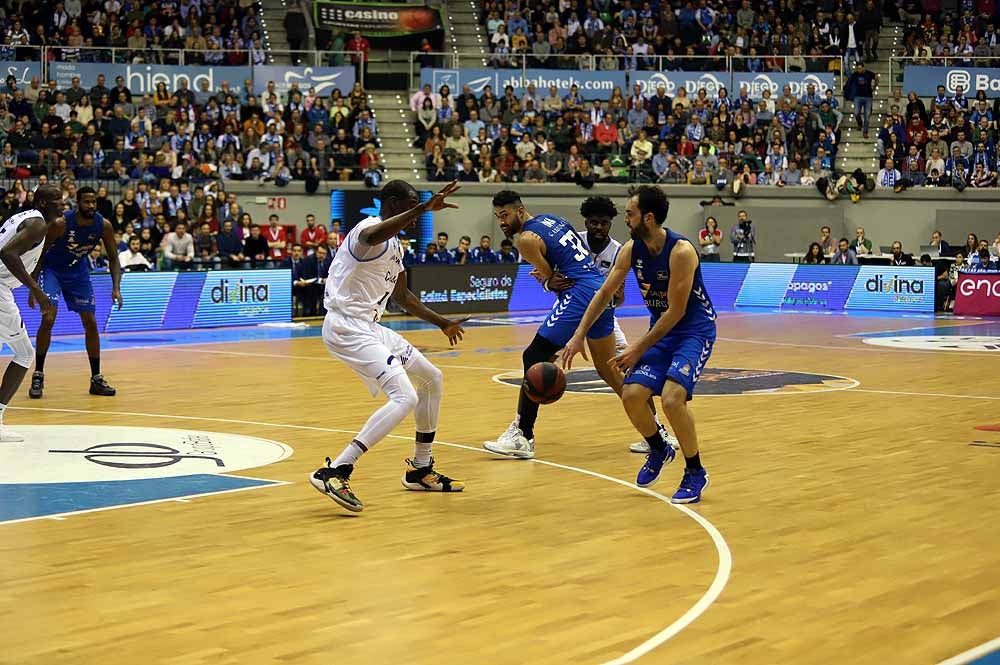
(630, 34)
(938, 33)
(217, 32)
(542, 136)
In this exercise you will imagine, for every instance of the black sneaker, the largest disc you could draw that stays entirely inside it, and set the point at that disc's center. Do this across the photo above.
(426, 479)
(37, 383)
(98, 386)
(335, 483)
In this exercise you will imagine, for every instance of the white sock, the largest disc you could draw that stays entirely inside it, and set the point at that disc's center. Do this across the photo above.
(350, 454)
(422, 454)
(3, 407)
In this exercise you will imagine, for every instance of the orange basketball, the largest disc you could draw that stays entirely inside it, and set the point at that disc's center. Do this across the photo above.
(544, 383)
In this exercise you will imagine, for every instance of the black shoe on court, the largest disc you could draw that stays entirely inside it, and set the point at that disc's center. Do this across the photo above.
(426, 479)
(335, 483)
(98, 386)
(37, 384)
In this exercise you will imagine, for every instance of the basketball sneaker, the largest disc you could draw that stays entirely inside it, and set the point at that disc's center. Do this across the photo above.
(643, 447)
(9, 436)
(655, 461)
(37, 383)
(335, 483)
(512, 443)
(426, 479)
(692, 485)
(98, 386)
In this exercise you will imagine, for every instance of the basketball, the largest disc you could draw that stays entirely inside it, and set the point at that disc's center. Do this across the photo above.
(544, 383)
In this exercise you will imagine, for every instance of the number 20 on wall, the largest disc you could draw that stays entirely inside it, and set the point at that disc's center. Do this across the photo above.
(277, 202)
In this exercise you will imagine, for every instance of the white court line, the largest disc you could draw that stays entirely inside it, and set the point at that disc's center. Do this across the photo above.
(973, 653)
(714, 590)
(859, 347)
(913, 394)
(960, 322)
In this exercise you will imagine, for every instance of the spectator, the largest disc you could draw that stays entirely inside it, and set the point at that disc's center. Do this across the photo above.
(409, 257)
(861, 246)
(132, 259)
(888, 177)
(710, 239)
(844, 256)
(826, 241)
(230, 246)
(178, 248)
(860, 89)
(313, 235)
(205, 250)
(814, 255)
(460, 254)
(256, 248)
(483, 253)
(743, 235)
(302, 281)
(276, 240)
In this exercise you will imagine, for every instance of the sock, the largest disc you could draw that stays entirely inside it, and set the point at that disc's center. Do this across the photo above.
(656, 442)
(350, 454)
(40, 362)
(422, 449)
(527, 414)
(95, 365)
(3, 407)
(693, 463)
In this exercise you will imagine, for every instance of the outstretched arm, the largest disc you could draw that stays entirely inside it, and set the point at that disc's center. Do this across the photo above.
(376, 234)
(612, 284)
(409, 301)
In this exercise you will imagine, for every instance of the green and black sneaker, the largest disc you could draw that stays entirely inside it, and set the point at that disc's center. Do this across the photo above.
(334, 482)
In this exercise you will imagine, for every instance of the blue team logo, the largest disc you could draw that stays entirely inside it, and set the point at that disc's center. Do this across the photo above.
(714, 381)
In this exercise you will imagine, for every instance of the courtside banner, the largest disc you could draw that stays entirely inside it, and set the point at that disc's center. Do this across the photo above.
(142, 79)
(978, 294)
(799, 83)
(924, 80)
(377, 19)
(894, 289)
(466, 289)
(177, 301)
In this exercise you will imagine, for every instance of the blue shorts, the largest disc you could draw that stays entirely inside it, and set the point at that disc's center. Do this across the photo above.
(567, 313)
(680, 359)
(71, 285)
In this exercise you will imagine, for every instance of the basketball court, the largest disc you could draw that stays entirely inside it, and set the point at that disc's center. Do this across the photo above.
(851, 518)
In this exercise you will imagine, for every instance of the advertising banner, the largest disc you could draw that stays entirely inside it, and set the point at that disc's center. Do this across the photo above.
(142, 79)
(323, 79)
(179, 300)
(464, 289)
(377, 19)
(799, 82)
(674, 81)
(592, 85)
(22, 71)
(893, 289)
(924, 80)
(978, 294)
(820, 287)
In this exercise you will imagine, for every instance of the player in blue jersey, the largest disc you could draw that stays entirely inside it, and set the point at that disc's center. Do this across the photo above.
(66, 276)
(668, 360)
(553, 247)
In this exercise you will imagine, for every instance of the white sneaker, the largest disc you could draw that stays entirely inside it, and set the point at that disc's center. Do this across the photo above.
(643, 447)
(9, 436)
(512, 443)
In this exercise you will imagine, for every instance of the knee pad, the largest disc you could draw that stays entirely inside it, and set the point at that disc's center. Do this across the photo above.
(424, 374)
(399, 389)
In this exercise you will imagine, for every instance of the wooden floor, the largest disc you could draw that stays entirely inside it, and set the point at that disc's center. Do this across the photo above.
(862, 525)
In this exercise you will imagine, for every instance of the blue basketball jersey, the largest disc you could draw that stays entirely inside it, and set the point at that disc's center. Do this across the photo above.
(565, 251)
(76, 243)
(653, 275)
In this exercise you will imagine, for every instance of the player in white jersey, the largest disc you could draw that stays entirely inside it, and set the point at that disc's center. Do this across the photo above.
(365, 273)
(22, 241)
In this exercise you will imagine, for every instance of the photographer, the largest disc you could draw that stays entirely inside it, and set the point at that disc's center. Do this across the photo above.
(744, 238)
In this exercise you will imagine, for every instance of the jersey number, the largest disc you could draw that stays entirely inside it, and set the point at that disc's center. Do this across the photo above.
(571, 240)
(379, 304)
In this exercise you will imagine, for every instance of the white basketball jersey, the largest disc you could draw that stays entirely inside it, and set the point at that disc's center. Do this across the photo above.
(606, 259)
(362, 278)
(30, 258)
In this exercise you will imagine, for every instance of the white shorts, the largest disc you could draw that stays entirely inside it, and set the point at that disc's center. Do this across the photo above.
(373, 351)
(12, 330)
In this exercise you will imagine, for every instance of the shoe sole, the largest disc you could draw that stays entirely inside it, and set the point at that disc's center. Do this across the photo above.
(417, 487)
(320, 487)
(508, 453)
(34, 395)
(100, 394)
(696, 499)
